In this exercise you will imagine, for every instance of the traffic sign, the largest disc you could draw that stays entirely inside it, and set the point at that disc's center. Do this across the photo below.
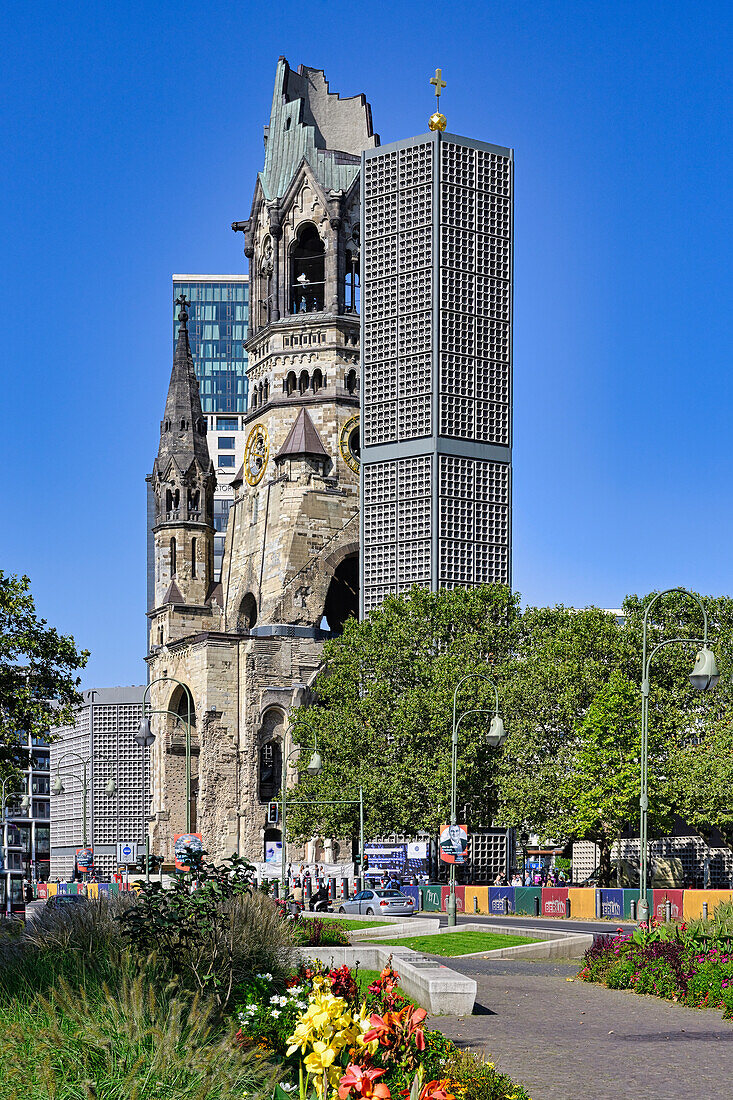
(127, 852)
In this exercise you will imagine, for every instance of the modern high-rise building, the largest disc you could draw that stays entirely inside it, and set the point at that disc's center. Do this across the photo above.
(436, 365)
(99, 746)
(217, 329)
(26, 830)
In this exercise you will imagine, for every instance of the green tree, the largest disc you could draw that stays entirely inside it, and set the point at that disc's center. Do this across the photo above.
(382, 712)
(599, 787)
(38, 688)
(703, 780)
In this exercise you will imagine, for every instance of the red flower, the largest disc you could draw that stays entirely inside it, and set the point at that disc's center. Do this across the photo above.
(433, 1090)
(361, 1081)
(396, 1029)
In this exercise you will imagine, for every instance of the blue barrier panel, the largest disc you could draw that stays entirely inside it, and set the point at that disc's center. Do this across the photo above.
(104, 887)
(414, 893)
(612, 904)
(63, 888)
(496, 898)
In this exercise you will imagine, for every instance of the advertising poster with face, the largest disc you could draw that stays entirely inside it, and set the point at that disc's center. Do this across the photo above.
(453, 843)
(85, 860)
(183, 844)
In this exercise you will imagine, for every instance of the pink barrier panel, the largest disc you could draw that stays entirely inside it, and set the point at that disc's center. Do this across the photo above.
(460, 899)
(553, 901)
(674, 897)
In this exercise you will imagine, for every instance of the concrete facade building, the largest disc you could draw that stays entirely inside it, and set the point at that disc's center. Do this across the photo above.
(103, 736)
(242, 651)
(26, 830)
(436, 365)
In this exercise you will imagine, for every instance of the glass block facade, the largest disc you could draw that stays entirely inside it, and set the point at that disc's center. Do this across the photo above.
(436, 365)
(103, 735)
(217, 329)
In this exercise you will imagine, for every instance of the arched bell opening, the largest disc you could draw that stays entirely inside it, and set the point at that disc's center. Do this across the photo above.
(307, 271)
(342, 598)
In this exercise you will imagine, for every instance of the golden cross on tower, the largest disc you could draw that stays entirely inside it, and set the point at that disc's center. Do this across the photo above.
(439, 83)
(437, 121)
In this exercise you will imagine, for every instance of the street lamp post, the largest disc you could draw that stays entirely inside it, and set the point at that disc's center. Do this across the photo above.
(314, 767)
(495, 737)
(110, 786)
(187, 726)
(145, 738)
(704, 675)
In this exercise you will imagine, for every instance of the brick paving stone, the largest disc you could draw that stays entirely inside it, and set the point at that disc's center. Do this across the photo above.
(573, 1041)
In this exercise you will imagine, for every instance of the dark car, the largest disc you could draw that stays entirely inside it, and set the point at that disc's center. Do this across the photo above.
(66, 901)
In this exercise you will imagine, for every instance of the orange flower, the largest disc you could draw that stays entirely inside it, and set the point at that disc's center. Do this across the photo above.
(396, 1029)
(362, 1081)
(434, 1090)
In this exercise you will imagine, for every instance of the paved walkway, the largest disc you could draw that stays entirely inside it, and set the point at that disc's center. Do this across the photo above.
(573, 1041)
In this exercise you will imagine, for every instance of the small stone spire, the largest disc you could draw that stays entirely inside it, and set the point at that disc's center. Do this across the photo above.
(183, 428)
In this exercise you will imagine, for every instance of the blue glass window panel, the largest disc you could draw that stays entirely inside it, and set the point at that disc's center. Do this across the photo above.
(226, 443)
(226, 423)
(226, 460)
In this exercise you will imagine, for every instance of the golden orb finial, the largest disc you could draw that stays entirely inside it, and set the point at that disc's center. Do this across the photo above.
(437, 121)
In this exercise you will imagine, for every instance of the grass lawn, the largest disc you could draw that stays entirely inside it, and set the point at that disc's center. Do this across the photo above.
(457, 943)
(354, 925)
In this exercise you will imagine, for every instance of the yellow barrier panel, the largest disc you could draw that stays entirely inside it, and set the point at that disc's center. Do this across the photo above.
(52, 889)
(92, 889)
(481, 894)
(692, 902)
(582, 902)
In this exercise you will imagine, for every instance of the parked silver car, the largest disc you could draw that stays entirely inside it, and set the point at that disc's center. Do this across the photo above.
(373, 903)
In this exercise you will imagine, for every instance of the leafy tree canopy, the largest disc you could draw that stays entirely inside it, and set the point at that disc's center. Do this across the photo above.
(568, 692)
(38, 685)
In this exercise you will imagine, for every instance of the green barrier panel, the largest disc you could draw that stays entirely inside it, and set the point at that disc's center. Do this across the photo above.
(431, 898)
(633, 895)
(524, 899)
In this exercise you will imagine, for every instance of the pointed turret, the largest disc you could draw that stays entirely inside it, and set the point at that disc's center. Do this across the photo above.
(183, 481)
(183, 427)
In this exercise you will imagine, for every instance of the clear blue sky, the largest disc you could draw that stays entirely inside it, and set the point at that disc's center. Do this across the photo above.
(130, 140)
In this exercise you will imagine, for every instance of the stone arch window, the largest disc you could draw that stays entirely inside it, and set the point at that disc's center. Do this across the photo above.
(253, 398)
(173, 557)
(167, 426)
(307, 271)
(317, 380)
(184, 425)
(304, 381)
(261, 393)
(291, 383)
(194, 502)
(194, 543)
(270, 770)
(266, 389)
(247, 614)
(351, 382)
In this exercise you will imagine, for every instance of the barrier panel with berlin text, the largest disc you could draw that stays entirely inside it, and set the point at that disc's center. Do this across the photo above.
(431, 898)
(497, 894)
(676, 903)
(414, 893)
(460, 899)
(42, 888)
(612, 904)
(553, 901)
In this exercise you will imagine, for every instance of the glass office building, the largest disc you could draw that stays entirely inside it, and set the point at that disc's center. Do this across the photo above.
(217, 329)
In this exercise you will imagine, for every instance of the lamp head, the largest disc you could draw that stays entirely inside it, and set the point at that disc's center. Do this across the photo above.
(705, 673)
(57, 786)
(144, 736)
(315, 765)
(497, 734)
(110, 787)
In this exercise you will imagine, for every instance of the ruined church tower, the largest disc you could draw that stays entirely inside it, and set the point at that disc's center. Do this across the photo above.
(290, 569)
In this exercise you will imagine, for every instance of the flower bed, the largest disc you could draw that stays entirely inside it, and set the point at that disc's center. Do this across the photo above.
(336, 1041)
(691, 964)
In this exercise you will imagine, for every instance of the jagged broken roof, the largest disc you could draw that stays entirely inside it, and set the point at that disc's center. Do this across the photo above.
(303, 439)
(307, 121)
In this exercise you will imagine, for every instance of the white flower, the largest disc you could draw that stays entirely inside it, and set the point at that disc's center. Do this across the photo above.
(274, 1000)
(275, 1012)
(286, 1086)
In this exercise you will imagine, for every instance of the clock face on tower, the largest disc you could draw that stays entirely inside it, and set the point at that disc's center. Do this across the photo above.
(350, 445)
(256, 452)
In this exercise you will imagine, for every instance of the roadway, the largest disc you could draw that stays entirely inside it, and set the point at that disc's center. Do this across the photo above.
(556, 924)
